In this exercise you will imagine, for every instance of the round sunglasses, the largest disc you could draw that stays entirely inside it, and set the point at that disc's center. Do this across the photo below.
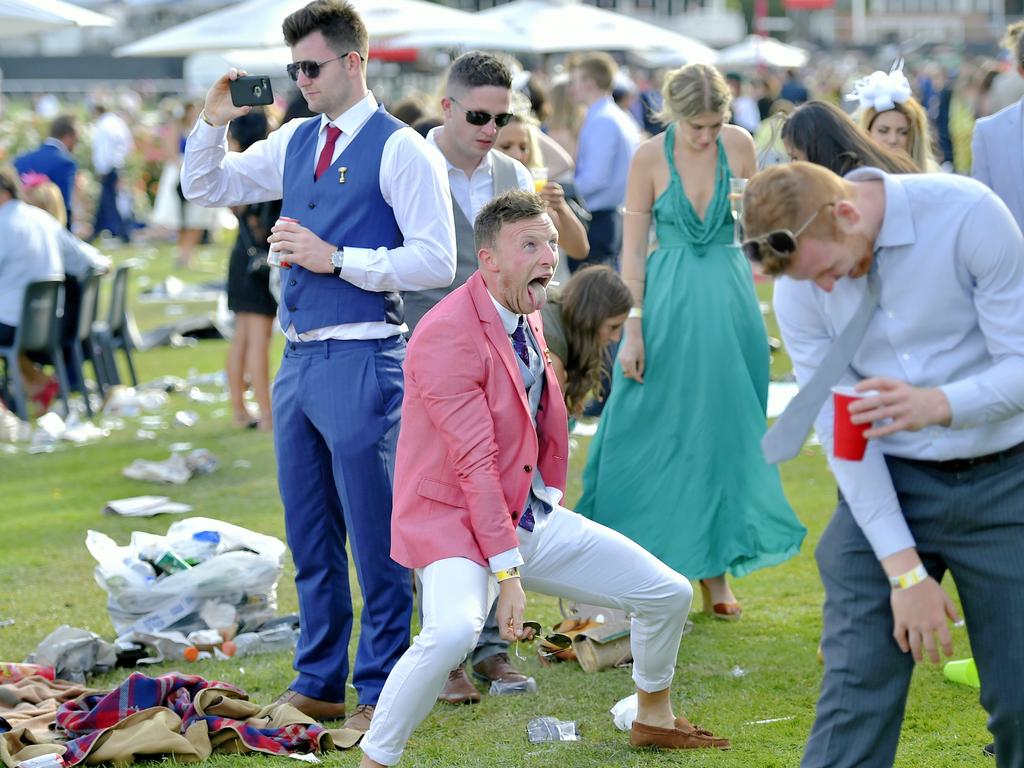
(475, 117)
(311, 69)
(781, 241)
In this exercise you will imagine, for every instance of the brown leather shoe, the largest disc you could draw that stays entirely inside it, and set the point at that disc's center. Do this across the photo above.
(498, 667)
(683, 736)
(458, 689)
(360, 720)
(315, 708)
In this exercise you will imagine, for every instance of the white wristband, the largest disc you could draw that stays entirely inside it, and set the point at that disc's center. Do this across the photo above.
(636, 312)
(909, 579)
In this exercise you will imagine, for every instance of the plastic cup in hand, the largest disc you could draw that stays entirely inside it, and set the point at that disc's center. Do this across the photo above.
(848, 438)
(736, 189)
(540, 179)
(274, 256)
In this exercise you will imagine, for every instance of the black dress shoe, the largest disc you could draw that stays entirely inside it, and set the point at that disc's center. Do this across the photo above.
(989, 749)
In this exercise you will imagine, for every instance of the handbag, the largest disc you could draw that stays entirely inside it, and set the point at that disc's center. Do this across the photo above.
(256, 253)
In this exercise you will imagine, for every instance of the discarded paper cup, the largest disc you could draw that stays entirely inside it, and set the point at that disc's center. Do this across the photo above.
(848, 441)
(274, 257)
(962, 671)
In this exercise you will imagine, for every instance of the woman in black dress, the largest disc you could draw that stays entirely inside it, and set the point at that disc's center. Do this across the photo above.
(249, 292)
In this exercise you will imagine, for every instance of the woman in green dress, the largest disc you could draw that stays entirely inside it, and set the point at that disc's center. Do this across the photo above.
(676, 463)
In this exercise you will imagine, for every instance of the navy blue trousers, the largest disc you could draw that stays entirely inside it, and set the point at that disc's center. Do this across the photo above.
(970, 523)
(336, 414)
(605, 236)
(107, 216)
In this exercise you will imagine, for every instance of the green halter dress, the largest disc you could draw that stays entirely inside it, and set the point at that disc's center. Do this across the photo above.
(676, 463)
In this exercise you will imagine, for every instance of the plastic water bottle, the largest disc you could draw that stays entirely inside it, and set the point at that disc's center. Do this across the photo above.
(281, 638)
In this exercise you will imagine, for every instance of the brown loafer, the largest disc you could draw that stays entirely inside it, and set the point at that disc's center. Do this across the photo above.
(498, 667)
(683, 736)
(360, 720)
(314, 708)
(458, 689)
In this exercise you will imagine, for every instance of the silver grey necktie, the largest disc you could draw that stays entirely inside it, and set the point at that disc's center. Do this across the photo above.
(787, 435)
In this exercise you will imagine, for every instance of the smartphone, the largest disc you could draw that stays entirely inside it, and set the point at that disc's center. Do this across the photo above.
(251, 91)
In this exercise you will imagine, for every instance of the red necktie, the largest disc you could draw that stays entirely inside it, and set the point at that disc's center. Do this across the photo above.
(327, 153)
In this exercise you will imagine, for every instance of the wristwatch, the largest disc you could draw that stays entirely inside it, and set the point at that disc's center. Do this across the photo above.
(338, 260)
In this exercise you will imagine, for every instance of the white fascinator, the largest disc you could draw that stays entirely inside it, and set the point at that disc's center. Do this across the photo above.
(882, 91)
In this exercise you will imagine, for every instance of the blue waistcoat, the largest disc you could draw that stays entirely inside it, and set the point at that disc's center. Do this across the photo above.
(352, 213)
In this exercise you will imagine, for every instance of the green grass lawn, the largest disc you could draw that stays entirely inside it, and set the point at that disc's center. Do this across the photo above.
(49, 501)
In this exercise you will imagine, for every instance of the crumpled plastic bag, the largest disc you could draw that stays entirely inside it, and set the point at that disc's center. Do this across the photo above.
(624, 712)
(75, 653)
(241, 570)
(176, 470)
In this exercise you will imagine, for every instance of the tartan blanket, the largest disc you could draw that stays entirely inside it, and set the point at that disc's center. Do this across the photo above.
(220, 709)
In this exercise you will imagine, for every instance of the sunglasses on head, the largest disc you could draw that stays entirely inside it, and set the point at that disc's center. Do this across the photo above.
(475, 117)
(781, 241)
(311, 69)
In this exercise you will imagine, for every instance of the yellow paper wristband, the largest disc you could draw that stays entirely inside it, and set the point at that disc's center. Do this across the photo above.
(909, 579)
(511, 573)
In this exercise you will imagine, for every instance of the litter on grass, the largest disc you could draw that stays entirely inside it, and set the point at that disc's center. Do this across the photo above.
(145, 506)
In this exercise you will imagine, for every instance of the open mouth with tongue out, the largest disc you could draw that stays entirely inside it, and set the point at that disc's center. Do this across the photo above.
(538, 290)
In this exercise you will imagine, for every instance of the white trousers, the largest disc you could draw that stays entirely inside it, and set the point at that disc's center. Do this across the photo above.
(569, 557)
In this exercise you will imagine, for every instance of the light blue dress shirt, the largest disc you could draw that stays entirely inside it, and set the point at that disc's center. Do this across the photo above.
(608, 139)
(29, 251)
(951, 315)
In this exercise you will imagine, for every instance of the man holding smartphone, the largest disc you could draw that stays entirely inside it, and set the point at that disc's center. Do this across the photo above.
(369, 215)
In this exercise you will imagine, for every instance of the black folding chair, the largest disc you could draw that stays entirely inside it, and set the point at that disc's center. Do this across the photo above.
(115, 333)
(83, 346)
(38, 332)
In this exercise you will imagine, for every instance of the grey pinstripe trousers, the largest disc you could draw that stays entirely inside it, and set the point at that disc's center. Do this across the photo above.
(970, 523)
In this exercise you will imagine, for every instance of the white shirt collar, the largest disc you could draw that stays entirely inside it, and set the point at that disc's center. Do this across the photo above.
(352, 119)
(487, 163)
(509, 319)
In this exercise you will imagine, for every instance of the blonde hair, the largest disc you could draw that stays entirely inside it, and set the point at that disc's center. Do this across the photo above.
(521, 114)
(1013, 41)
(692, 90)
(48, 197)
(566, 114)
(599, 67)
(784, 197)
(919, 136)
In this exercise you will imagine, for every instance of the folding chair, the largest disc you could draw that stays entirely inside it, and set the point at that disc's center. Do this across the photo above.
(116, 331)
(39, 331)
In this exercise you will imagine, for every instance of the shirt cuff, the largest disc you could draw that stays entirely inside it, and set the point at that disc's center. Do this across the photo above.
(502, 561)
(964, 400)
(210, 135)
(888, 534)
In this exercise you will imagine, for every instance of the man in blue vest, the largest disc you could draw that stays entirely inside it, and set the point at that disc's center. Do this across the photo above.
(366, 213)
(54, 160)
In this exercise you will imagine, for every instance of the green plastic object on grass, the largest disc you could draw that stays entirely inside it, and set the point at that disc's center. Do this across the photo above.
(962, 671)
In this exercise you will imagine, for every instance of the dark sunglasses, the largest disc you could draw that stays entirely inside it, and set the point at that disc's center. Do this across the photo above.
(311, 69)
(474, 117)
(781, 241)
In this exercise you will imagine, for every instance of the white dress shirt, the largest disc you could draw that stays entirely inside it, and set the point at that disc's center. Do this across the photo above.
(111, 143)
(471, 193)
(412, 182)
(513, 558)
(951, 315)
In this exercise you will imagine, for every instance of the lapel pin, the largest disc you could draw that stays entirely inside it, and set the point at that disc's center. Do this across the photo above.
(341, 174)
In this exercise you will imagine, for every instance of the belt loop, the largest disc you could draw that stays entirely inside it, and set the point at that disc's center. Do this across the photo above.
(327, 349)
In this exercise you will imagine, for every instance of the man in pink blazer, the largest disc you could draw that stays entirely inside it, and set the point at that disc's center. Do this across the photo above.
(479, 475)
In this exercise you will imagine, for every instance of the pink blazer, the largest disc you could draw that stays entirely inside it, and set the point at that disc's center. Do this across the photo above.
(467, 446)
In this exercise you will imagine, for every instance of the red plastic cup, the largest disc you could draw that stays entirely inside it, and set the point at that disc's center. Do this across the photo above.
(848, 441)
(274, 257)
